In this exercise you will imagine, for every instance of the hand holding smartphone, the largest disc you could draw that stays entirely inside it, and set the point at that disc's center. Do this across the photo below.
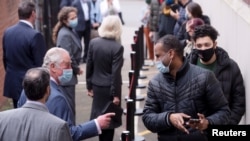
(194, 121)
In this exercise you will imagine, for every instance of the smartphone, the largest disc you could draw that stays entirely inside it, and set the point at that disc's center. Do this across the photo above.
(194, 120)
(174, 7)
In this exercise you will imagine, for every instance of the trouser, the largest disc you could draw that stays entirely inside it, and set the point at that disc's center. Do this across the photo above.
(149, 43)
(107, 135)
(86, 36)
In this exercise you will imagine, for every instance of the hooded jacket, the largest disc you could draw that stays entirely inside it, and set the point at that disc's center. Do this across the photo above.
(228, 73)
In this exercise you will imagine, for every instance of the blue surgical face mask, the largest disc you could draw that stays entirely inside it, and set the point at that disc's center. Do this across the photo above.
(162, 68)
(73, 23)
(66, 76)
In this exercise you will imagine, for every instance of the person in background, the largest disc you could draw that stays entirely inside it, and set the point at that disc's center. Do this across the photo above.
(103, 71)
(181, 91)
(154, 19)
(96, 17)
(120, 13)
(190, 26)
(65, 37)
(179, 14)
(83, 26)
(111, 7)
(145, 22)
(166, 21)
(39, 124)
(214, 58)
(58, 62)
(65, 3)
(23, 48)
(193, 10)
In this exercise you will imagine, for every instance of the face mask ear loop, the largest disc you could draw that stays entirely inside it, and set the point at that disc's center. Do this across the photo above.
(170, 63)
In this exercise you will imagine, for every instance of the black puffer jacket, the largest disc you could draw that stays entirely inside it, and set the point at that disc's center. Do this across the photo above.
(228, 73)
(195, 90)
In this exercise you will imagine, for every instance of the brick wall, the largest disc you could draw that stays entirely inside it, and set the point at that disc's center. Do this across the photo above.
(8, 16)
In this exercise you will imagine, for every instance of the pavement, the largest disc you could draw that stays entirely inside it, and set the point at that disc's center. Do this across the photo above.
(131, 10)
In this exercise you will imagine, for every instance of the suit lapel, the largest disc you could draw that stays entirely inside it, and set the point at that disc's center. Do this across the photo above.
(76, 38)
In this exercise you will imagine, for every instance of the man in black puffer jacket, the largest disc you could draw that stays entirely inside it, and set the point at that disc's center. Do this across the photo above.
(207, 55)
(179, 92)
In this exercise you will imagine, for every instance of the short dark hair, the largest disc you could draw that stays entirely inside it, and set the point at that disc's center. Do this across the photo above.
(25, 9)
(171, 42)
(35, 83)
(205, 30)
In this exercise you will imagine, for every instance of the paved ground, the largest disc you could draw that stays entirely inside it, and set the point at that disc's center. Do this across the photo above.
(131, 13)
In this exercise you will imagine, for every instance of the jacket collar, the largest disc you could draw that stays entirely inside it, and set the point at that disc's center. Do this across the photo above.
(182, 71)
(25, 22)
(222, 57)
(35, 105)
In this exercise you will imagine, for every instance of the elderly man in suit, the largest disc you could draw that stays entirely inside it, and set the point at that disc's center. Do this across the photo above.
(57, 60)
(33, 122)
(23, 48)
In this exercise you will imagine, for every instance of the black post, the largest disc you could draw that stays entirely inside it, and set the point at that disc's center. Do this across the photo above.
(135, 58)
(130, 118)
(125, 136)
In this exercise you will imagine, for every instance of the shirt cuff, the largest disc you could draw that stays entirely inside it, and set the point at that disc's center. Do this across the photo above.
(98, 127)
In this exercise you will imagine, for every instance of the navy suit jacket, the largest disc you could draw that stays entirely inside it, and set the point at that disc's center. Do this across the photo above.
(59, 106)
(23, 48)
(80, 15)
(65, 3)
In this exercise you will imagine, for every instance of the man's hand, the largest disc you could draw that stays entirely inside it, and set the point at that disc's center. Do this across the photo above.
(80, 71)
(202, 125)
(95, 25)
(104, 120)
(175, 14)
(90, 93)
(177, 120)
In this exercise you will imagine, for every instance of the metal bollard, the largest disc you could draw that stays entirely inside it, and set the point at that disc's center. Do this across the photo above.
(125, 136)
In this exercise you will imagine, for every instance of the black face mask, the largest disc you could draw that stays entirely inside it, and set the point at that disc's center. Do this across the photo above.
(206, 55)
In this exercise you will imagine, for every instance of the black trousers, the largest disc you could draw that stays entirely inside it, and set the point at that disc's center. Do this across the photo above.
(86, 36)
(107, 135)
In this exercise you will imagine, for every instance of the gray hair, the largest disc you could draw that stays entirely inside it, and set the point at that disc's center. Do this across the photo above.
(53, 55)
(111, 27)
